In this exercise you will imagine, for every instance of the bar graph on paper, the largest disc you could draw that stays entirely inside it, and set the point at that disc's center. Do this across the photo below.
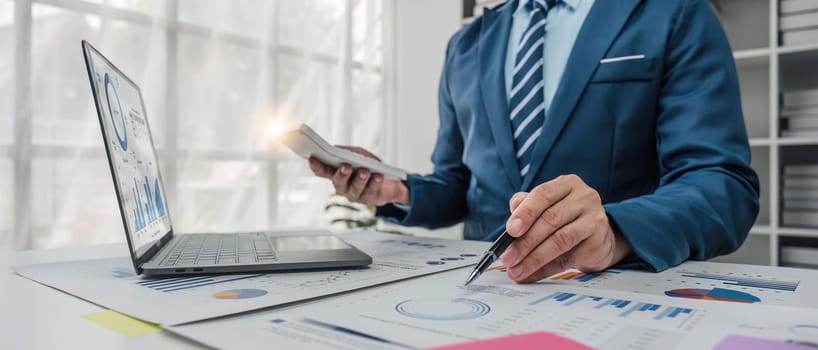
(168, 285)
(619, 308)
(707, 281)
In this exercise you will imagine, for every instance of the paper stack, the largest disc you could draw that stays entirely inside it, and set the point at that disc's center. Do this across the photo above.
(799, 114)
(800, 196)
(798, 252)
(798, 22)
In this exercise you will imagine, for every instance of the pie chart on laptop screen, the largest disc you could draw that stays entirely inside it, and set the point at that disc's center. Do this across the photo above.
(719, 294)
(239, 294)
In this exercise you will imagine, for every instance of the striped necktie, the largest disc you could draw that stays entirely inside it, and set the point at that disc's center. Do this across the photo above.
(527, 99)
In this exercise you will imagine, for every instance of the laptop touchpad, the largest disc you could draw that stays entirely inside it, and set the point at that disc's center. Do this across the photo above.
(301, 243)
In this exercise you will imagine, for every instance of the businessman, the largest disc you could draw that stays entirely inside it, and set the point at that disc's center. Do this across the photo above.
(597, 132)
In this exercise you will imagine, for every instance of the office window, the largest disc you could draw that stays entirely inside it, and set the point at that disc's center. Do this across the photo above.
(313, 25)
(366, 105)
(63, 111)
(302, 196)
(230, 109)
(6, 72)
(150, 7)
(311, 90)
(367, 44)
(72, 201)
(248, 18)
(218, 78)
(230, 195)
(6, 208)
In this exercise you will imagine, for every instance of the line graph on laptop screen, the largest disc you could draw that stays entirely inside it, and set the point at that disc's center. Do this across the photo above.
(133, 157)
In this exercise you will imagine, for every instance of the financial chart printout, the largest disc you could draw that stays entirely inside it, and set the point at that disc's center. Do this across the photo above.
(113, 284)
(697, 280)
(438, 311)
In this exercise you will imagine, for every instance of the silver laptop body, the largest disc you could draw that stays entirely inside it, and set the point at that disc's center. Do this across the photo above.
(155, 248)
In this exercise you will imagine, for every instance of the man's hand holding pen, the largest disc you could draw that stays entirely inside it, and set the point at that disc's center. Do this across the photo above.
(560, 224)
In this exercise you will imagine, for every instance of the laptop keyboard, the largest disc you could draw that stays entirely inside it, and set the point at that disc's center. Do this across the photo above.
(221, 249)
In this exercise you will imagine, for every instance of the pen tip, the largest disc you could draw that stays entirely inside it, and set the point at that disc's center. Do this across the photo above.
(472, 277)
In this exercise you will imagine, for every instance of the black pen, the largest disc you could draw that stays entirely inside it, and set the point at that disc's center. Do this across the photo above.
(491, 256)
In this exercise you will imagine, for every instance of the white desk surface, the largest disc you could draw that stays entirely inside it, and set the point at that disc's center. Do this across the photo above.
(33, 316)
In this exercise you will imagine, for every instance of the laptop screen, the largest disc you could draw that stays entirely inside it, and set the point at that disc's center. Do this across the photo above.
(131, 154)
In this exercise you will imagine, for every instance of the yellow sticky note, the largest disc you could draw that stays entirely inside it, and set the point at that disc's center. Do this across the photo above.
(122, 324)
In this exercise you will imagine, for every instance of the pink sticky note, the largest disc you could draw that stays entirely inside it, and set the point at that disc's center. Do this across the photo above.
(536, 340)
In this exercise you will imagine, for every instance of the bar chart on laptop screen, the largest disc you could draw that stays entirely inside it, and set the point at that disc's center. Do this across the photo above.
(132, 154)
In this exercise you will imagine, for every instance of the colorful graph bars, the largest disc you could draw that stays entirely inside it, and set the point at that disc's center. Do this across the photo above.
(617, 303)
(244, 293)
(719, 294)
(575, 275)
(624, 308)
(667, 312)
(562, 297)
(580, 276)
(152, 208)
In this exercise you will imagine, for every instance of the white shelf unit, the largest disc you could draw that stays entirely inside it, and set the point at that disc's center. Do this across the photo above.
(766, 69)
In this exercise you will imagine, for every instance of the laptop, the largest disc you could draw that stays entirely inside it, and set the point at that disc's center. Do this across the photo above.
(155, 248)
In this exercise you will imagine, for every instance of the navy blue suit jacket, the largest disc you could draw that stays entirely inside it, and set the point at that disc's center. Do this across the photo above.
(662, 139)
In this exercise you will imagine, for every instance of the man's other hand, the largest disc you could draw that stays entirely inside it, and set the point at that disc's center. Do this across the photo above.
(361, 185)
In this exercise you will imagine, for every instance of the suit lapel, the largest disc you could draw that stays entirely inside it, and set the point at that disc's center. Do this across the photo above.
(601, 27)
(496, 25)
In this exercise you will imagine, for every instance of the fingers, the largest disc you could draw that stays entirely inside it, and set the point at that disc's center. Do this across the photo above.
(340, 179)
(552, 219)
(560, 264)
(372, 190)
(359, 181)
(551, 255)
(585, 257)
(537, 201)
(358, 186)
(321, 169)
(596, 253)
(559, 224)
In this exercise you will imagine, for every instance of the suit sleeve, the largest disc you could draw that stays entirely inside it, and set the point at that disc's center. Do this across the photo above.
(707, 198)
(439, 199)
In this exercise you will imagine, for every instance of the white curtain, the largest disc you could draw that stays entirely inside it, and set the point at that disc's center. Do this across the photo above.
(219, 79)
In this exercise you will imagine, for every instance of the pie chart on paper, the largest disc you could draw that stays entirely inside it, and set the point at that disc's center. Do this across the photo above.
(234, 294)
(719, 294)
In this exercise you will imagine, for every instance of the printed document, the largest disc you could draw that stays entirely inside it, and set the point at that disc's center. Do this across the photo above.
(111, 282)
(438, 310)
